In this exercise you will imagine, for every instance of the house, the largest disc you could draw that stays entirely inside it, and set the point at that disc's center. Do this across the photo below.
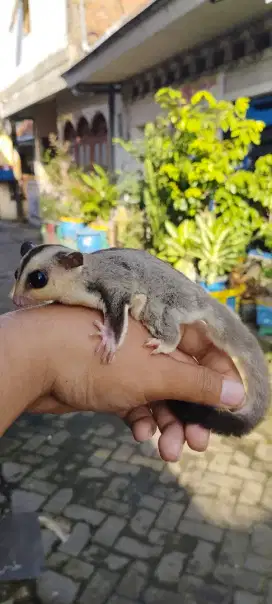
(94, 76)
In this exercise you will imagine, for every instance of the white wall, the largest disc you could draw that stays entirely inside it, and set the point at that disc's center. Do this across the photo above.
(48, 34)
(249, 80)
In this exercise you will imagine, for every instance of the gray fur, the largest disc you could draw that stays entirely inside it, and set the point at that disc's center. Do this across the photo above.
(122, 278)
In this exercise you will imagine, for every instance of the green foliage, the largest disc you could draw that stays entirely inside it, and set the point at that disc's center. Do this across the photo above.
(191, 156)
(130, 227)
(96, 193)
(205, 243)
(57, 199)
(70, 192)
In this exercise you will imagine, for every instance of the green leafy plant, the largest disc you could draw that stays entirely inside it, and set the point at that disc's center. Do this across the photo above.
(204, 247)
(191, 159)
(60, 174)
(129, 226)
(69, 192)
(97, 194)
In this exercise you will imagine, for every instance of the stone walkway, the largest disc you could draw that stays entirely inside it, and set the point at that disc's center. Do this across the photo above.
(141, 531)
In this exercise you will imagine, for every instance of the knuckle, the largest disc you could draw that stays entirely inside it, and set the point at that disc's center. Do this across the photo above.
(206, 384)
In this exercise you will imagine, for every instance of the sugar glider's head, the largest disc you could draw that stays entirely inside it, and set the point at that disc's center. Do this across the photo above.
(46, 274)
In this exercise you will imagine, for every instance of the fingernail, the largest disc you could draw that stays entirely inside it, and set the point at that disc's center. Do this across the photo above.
(175, 448)
(232, 393)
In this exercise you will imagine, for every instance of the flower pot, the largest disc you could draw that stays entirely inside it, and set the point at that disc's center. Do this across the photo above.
(91, 240)
(264, 311)
(217, 286)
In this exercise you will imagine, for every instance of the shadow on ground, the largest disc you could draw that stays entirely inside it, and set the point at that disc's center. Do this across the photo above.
(142, 531)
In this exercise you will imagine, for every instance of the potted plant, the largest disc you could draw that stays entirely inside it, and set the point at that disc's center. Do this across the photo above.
(75, 206)
(206, 250)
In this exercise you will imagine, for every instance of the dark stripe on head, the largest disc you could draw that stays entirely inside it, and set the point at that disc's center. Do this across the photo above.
(33, 252)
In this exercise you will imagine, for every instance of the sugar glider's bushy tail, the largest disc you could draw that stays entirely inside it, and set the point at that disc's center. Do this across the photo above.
(228, 333)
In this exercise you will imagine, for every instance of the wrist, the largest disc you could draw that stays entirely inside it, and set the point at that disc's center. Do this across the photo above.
(24, 362)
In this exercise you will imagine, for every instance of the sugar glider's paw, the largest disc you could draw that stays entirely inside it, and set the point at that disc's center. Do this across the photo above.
(159, 347)
(107, 346)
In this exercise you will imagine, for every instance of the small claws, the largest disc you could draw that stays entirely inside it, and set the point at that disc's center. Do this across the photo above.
(107, 345)
(155, 344)
(159, 347)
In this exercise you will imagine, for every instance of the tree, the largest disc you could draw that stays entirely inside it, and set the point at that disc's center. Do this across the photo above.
(191, 159)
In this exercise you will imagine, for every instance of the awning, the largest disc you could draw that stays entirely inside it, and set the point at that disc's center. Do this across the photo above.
(163, 29)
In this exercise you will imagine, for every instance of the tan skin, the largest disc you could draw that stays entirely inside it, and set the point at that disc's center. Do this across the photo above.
(48, 365)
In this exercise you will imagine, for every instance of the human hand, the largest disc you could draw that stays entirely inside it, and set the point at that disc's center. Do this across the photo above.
(132, 386)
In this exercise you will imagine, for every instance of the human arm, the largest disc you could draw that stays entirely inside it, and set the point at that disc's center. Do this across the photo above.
(48, 363)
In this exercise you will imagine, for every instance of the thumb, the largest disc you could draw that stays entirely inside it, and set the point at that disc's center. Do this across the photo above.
(197, 384)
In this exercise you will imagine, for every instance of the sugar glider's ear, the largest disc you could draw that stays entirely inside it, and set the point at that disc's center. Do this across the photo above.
(70, 260)
(25, 247)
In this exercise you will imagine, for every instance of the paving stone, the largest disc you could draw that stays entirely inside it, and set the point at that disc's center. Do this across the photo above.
(259, 564)
(120, 467)
(13, 472)
(40, 486)
(59, 438)
(234, 548)
(115, 562)
(24, 501)
(48, 540)
(239, 577)
(245, 597)
(59, 501)
(53, 588)
(154, 595)
(170, 567)
(137, 549)
(151, 503)
(77, 540)
(100, 587)
(93, 473)
(48, 451)
(170, 516)
(142, 522)
(202, 561)
(109, 505)
(201, 530)
(80, 512)
(110, 530)
(78, 570)
(123, 453)
(251, 493)
(134, 581)
(154, 464)
(116, 599)
(263, 452)
(57, 560)
(99, 457)
(261, 540)
(34, 443)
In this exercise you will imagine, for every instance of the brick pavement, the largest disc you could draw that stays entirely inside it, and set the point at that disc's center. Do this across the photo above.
(140, 531)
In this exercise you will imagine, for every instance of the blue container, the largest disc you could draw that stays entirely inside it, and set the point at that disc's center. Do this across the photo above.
(264, 315)
(69, 230)
(231, 302)
(218, 286)
(6, 175)
(90, 240)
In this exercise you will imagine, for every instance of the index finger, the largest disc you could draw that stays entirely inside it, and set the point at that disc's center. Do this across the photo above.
(196, 343)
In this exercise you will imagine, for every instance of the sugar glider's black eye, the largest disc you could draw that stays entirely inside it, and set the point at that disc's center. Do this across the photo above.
(37, 279)
(16, 274)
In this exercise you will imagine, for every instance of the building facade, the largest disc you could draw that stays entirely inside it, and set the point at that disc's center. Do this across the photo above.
(95, 77)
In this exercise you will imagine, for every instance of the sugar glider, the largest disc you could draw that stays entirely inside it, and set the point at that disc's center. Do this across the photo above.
(118, 281)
